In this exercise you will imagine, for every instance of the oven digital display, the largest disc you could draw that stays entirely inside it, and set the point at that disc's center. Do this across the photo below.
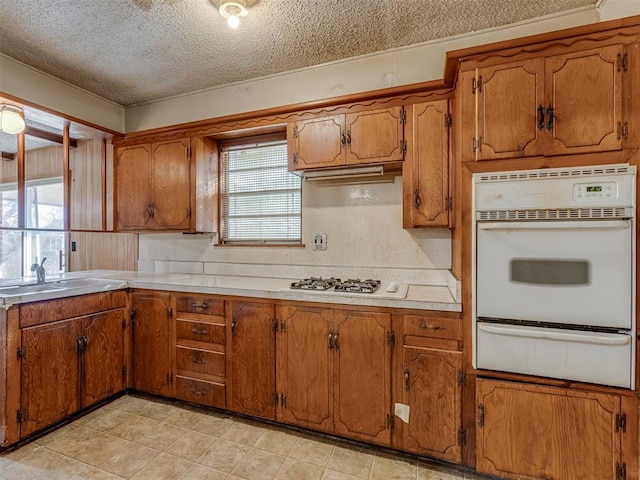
(594, 188)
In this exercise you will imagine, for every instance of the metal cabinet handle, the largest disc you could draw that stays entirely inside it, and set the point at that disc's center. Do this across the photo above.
(336, 338)
(198, 392)
(348, 137)
(343, 138)
(330, 339)
(540, 117)
(151, 211)
(406, 379)
(79, 345)
(198, 360)
(202, 305)
(233, 327)
(550, 118)
(416, 198)
(425, 326)
(196, 331)
(85, 343)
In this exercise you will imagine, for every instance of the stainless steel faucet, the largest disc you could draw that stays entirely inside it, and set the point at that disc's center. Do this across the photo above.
(39, 269)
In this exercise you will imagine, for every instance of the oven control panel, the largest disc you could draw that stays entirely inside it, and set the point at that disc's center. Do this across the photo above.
(602, 190)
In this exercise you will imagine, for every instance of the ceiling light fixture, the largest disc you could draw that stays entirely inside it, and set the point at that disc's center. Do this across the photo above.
(11, 119)
(232, 10)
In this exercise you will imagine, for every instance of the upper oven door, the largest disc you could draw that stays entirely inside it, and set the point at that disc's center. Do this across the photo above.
(568, 272)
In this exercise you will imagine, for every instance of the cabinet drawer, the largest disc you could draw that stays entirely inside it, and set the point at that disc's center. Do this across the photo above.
(196, 391)
(59, 309)
(200, 361)
(434, 327)
(200, 332)
(200, 304)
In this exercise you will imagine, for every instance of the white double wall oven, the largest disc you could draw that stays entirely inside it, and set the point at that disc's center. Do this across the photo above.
(554, 273)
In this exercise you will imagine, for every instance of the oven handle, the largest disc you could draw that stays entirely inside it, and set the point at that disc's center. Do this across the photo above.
(556, 225)
(611, 339)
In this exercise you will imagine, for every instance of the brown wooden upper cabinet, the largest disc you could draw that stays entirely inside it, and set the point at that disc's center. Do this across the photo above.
(168, 185)
(368, 137)
(548, 105)
(427, 201)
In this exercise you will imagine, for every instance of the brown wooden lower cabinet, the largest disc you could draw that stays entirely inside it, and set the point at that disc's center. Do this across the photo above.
(362, 347)
(304, 368)
(530, 431)
(69, 364)
(50, 374)
(252, 372)
(152, 320)
(431, 390)
(334, 371)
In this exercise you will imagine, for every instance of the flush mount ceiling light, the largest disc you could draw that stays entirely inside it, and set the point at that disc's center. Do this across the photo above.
(232, 10)
(11, 119)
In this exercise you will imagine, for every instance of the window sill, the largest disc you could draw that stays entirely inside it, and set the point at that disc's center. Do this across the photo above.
(276, 245)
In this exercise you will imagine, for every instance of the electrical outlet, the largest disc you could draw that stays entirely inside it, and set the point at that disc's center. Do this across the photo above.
(320, 241)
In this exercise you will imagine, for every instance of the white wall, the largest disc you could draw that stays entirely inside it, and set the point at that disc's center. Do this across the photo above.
(26, 83)
(363, 224)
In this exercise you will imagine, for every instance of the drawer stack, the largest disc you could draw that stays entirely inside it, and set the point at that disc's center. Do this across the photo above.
(200, 350)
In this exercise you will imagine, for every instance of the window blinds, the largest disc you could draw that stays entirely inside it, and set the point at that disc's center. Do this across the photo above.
(260, 198)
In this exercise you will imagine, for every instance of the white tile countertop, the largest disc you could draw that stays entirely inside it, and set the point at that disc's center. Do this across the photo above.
(423, 297)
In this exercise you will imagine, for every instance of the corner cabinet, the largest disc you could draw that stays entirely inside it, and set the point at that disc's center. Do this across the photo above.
(162, 186)
(367, 137)
(529, 431)
(548, 105)
(427, 199)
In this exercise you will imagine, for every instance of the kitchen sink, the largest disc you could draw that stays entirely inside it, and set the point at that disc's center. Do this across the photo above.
(56, 288)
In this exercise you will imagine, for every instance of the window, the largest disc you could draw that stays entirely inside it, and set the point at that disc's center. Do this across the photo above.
(260, 197)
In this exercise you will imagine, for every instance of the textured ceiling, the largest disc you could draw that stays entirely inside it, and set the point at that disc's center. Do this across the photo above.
(134, 51)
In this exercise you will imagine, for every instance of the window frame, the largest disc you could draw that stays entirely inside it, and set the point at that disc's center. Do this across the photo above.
(276, 137)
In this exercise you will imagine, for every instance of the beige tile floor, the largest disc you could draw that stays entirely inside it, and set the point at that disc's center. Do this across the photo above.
(141, 438)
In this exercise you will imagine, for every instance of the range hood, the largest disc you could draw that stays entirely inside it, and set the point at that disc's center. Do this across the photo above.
(344, 173)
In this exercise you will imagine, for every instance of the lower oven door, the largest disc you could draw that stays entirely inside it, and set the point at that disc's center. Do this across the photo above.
(592, 357)
(570, 272)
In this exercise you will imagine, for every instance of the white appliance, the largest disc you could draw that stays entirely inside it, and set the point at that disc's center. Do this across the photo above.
(554, 276)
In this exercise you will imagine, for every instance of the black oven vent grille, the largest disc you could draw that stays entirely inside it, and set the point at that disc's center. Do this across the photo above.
(555, 173)
(557, 214)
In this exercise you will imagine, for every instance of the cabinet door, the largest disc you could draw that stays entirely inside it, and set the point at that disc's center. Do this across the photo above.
(508, 97)
(375, 136)
(317, 142)
(103, 359)
(253, 359)
(152, 343)
(304, 369)
(50, 373)
(362, 398)
(133, 195)
(585, 91)
(531, 431)
(171, 185)
(432, 392)
(426, 201)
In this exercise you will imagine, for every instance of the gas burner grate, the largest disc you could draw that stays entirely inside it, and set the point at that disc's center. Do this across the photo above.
(358, 286)
(315, 283)
(336, 285)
